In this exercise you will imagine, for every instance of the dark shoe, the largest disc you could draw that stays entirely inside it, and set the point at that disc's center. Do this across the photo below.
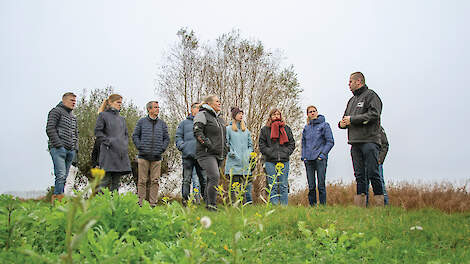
(212, 208)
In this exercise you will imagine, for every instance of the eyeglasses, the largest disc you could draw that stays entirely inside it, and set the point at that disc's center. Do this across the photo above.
(311, 111)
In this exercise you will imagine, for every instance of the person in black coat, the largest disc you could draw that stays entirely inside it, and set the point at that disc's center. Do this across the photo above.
(111, 132)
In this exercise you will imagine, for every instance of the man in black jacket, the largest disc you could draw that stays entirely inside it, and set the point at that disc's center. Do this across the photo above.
(151, 139)
(62, 131)
(362, 119)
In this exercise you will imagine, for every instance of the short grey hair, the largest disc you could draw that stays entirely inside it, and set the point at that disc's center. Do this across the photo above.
(149, 104)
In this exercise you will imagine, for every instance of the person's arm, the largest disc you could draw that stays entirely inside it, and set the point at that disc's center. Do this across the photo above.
(291, 143)
(198, 129)
(51, 128)
(263, 144)
(166, 137)
(329, 141)
(303, 144)
(137, 134)
(231, 151)
(250, 142)
(179, 137)
(383, 146)
(342, 124)
(99, 130)
(374, 109)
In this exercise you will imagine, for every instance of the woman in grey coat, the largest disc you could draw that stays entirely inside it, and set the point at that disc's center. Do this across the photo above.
(111, 131)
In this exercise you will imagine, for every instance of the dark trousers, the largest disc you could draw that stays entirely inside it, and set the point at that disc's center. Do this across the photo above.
(211, 165)
(245, 185)
(318, 166)
(111, 180)
(366, 167)
(188, 165)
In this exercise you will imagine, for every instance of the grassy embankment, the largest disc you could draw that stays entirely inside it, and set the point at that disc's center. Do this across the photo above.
(115, 229)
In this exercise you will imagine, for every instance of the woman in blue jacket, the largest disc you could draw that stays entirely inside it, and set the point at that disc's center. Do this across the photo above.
(237, 165)
(317, 141)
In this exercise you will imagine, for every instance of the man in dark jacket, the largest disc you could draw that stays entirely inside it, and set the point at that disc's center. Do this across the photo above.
(151, 139)
(362, 119)
(62, 131)
(186, 143)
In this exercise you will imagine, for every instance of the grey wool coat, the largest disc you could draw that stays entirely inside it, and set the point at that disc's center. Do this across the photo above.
(111, 131)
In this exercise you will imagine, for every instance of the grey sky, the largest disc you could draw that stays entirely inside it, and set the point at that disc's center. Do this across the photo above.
(412, 53)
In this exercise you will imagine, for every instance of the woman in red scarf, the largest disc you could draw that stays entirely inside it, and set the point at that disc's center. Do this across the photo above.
(276, 143)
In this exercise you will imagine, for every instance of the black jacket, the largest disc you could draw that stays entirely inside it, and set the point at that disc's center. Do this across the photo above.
(383, 146)
(209, 131)
(272, 150)
(62, 128)
(364, 108)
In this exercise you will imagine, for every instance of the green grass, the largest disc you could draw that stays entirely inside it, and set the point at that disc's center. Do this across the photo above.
(126, 233)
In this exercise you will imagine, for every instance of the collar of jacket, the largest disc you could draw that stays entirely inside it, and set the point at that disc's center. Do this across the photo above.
(209, 109)
(113, 110)
(318, 120)
(360, 90)
(190, 117)
(65, 107)
(151, 119)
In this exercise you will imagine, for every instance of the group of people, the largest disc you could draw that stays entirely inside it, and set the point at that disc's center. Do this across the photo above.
(206, 141)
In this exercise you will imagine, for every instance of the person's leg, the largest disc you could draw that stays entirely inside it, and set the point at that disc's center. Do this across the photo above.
(371, 157)
(359, 169)
(310, 169)
(116, 181)
(59, 156)
(284, 184)
(236, 182)
(202, 179)
(321, 174)
(211, 167)
(155, 172)
(273, 182)
(187, 175)
(381, 173)
(248, 191)
(143, 178)
(106, 181)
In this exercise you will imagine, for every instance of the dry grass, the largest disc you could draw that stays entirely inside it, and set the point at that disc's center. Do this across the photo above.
(444, 196)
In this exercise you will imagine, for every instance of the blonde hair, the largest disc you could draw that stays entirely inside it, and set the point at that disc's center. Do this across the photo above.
(308, 107)
(274, 110)
(209, 99)
(235, 127)
(105, 105)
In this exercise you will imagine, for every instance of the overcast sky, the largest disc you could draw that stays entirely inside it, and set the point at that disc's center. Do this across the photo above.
(414, 54)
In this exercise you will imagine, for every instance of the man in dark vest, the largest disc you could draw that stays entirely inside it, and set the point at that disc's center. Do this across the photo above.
(151, 139)
(62, 131)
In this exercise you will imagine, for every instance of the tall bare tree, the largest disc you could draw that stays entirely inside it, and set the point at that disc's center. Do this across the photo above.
(241, 72)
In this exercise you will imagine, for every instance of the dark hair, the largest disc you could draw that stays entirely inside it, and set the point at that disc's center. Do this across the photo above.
(67, 94)
(358, 76)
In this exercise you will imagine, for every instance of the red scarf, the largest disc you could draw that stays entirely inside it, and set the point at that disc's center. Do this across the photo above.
(276, 127)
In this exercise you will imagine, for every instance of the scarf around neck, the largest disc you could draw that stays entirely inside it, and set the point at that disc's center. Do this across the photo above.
(278, 131)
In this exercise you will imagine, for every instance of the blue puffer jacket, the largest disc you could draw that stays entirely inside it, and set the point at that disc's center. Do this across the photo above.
(241, 145)
(317, 139)
(151, 138)
(184, 138)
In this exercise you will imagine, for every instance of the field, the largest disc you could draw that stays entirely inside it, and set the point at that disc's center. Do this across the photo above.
(114, 229)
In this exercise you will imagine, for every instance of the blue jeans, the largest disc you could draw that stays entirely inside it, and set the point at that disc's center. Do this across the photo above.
(280, 189)
(62, 159)
(381, 173)
(318, 166)
(189, 165)
(365, 158)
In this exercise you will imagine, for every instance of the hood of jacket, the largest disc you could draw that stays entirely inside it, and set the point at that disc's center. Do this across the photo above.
(320, 119)
(209, 108)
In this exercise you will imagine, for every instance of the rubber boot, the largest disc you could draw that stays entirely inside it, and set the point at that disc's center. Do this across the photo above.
(360, 200)
(378, 201)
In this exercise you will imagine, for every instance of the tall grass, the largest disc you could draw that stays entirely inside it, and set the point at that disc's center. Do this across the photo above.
(442, 196)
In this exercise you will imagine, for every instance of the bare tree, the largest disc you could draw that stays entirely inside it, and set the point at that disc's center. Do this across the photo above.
(240, 71)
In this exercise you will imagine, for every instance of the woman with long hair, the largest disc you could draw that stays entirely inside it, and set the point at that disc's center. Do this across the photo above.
(211, 147)
(111, 132)
(317, 141)
(276, 143)
(237, 165)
